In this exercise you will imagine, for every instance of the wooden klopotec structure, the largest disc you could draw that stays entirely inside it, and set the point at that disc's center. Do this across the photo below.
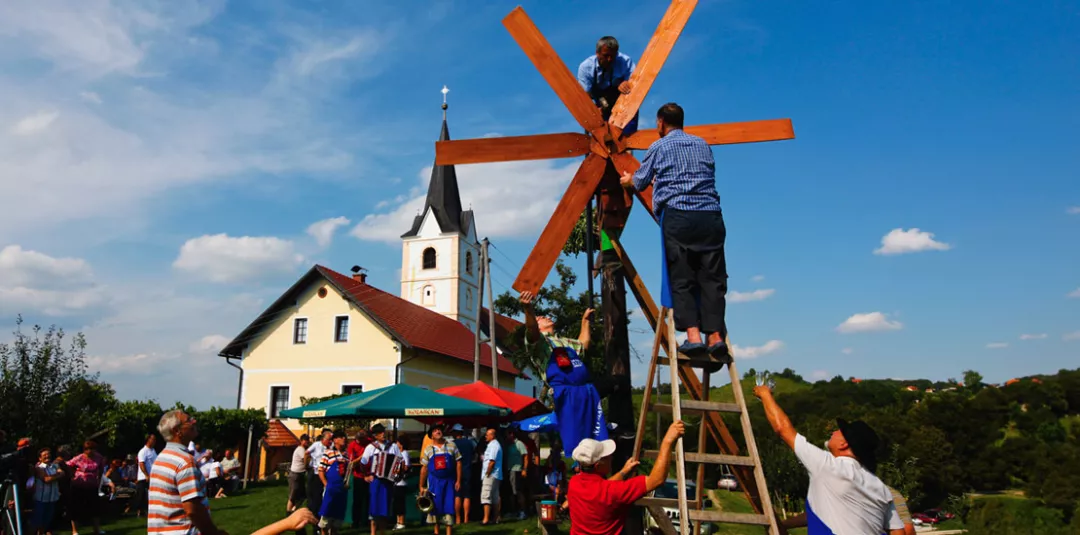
(606, 150)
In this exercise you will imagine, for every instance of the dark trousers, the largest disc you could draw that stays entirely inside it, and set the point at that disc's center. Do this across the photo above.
(697, 271)
(361, 499)
(142, 494)
(314, 492)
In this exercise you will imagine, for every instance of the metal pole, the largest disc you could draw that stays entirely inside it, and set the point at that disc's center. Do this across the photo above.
(247, 456)
(589, 249)
(479, 303)
(491, 317)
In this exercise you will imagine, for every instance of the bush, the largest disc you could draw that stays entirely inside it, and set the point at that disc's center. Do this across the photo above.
(994, 516)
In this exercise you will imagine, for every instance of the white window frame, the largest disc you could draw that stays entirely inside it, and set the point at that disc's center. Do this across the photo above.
(348, 325)
(270, 396)
(307, 330)
(341, 387)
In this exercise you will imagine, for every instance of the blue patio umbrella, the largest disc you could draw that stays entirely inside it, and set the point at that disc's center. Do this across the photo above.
(545, 423)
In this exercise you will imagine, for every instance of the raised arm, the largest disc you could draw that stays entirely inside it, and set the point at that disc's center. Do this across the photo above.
(663, 460)
(777, 419)
(532, 328)
(585, 336)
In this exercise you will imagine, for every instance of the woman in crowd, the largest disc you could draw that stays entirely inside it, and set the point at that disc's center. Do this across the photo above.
(83, 502)
(46, 491)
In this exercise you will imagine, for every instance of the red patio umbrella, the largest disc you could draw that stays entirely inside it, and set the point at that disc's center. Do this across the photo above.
(520, 406)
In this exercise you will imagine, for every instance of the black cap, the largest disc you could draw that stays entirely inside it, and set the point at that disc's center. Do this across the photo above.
(340, 433)
(440, 427)
(862, 440)
(378, 428)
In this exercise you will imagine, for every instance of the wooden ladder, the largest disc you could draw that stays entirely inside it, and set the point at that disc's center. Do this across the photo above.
(665, 332)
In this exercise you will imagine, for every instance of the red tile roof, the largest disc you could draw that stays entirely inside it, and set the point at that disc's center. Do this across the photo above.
(279, 436)
(415, 325)
(504, 326)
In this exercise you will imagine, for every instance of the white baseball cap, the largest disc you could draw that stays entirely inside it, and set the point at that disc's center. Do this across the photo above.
(589, 452)
(457, 427)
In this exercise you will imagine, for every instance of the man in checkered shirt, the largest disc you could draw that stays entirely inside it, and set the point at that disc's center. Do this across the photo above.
(681, 170)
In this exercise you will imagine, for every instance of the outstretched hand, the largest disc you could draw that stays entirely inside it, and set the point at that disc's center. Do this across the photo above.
(762, 390)
(526, 298)
(630, 466)
(627, 180)
(300, 518)
(587, 316)
(625, 87)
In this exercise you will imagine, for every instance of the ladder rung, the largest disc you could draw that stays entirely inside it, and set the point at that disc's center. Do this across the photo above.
(671, 503)
(710, 458)
(705, 364)
(701, 406)
(728, 518)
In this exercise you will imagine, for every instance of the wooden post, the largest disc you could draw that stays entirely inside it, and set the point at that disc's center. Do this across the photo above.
(491, 315)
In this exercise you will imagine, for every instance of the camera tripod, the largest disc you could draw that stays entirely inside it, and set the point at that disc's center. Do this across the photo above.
(11, 524)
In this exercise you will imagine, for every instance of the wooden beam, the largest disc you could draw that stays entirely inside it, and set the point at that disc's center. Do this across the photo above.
(552, 68)
(549, 246)
(652, 60)
(513, 148)
(724, 133)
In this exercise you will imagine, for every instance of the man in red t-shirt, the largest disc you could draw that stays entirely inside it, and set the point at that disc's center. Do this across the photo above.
(360, 487)
(599, 506)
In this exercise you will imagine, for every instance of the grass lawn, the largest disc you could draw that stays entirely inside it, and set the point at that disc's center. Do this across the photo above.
(264, 503)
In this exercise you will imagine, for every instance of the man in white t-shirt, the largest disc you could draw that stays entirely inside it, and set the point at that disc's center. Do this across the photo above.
(297, 471)
(146, 457)
(315, 454)
(845, 497)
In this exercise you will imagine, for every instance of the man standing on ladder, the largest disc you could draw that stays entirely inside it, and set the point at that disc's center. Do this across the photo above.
(681, 169)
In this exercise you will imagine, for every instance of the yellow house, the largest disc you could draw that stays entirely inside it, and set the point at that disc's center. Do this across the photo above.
(331, 333)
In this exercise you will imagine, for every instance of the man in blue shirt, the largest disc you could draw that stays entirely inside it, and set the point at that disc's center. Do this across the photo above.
(605, 76)
(681, 170)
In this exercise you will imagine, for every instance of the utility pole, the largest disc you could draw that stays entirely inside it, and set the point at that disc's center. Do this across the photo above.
(491, 315)
(479, 309)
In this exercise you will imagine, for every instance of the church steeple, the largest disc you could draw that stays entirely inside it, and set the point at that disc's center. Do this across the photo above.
(443, 197)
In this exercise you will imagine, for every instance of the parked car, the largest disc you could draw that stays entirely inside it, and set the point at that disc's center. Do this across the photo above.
(728, 482)
(924, 518)
(939, 514)
(670, 490)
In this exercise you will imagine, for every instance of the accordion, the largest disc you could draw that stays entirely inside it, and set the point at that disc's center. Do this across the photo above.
(385, 465)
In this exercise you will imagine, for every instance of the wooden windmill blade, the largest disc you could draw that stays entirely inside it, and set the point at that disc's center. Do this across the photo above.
(514, 148)
(549, 246)
(552, 68)
(724, 134)
(648, 66)
(627, 163)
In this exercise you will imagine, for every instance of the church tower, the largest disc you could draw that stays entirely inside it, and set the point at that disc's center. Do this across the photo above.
(440, 255)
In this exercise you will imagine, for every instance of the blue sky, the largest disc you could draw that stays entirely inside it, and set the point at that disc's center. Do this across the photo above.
(161, 166)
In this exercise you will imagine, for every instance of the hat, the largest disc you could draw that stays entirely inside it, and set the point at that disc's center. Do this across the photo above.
(862, 440)
(457, 427)
(589, 452)
(339, 433)
(23, 442)
(378, 428)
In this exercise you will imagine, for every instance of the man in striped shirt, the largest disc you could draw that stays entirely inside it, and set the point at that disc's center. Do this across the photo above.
(178, 502)
(681, 169)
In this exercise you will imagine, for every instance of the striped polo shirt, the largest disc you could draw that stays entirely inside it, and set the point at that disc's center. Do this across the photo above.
(174, 479)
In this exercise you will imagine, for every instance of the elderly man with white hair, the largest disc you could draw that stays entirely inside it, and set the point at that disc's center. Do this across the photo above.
(178, 503)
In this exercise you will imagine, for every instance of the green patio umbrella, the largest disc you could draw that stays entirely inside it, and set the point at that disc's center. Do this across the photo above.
(397, 401)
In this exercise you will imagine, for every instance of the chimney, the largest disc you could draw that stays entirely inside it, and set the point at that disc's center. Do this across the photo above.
(359, 274)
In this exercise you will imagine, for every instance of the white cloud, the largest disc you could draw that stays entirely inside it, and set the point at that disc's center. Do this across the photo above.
(757, 278)
(31, 281)
(753, 352)
(997, 345)
(869, 322)
(1039, 336)
(1073, 210)
(486, 188)
(900, 241)
(90, 97)
(1075, 335)
(1075, 294)
(210, 344)
(819, 375)
(222, 258)
(323, 231)
(756, 295)
(847, 351)
(35, 123)
(318, 53)
(138, 363)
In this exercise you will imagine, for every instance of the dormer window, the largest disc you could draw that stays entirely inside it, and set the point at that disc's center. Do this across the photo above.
(429, 258)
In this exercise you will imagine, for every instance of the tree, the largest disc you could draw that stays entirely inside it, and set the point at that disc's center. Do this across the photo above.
(45, 390)
(973, 379)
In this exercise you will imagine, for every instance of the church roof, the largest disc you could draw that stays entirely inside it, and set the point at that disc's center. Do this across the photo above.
(411, 325)
(443, 198)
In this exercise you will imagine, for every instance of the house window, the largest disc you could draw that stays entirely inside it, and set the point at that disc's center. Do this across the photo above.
(341, 329)
(429, 258)
(279, 400)
(351, 389)
(299, 331)
(468, 262)
(428, 294)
